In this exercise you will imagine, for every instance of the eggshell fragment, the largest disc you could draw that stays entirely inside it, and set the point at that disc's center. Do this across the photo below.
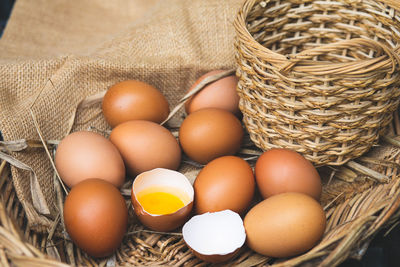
(161, 178)
(224, 183)
(145, 145)
(280, 170)
(96, 217)
(215, 237)
(210, 133)
(285, 225)
(134, 100)
(83, 155)
(219, 94)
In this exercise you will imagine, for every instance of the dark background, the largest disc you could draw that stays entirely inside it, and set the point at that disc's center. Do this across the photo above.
(384, 250)
(5, 8)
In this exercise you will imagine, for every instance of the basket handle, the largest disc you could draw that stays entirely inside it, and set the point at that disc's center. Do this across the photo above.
(370, 64)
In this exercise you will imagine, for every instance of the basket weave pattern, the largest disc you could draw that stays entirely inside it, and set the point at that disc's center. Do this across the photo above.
(318, 77)
(360, 209)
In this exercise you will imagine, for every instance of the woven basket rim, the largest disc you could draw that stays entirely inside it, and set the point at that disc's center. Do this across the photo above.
(285, 63)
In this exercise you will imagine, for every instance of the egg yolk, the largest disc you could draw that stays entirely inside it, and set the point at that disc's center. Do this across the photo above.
(159, 203)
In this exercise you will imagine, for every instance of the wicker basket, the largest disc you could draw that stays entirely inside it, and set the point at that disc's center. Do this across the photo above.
(318, 77)
(358, 205)
(361, 198)
(357, 209)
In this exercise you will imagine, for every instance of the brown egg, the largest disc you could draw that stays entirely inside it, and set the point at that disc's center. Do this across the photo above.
(285, 225)
(210, 133)
(96, 217)
(134, 100)
(145, 145)
(165, 187)
(282, 170)
(224, 183)
(219, 94)
(82, 155)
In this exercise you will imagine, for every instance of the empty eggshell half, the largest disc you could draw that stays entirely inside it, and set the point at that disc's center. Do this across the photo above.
(168, 181)
(215, 236)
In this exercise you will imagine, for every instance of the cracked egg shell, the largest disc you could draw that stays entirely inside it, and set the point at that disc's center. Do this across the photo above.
(215, 236)
(168, 181)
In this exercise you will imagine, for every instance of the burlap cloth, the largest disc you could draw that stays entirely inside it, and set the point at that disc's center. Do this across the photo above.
(60, 52)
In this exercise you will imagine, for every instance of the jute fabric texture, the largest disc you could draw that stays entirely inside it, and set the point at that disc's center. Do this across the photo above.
(55, 54)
